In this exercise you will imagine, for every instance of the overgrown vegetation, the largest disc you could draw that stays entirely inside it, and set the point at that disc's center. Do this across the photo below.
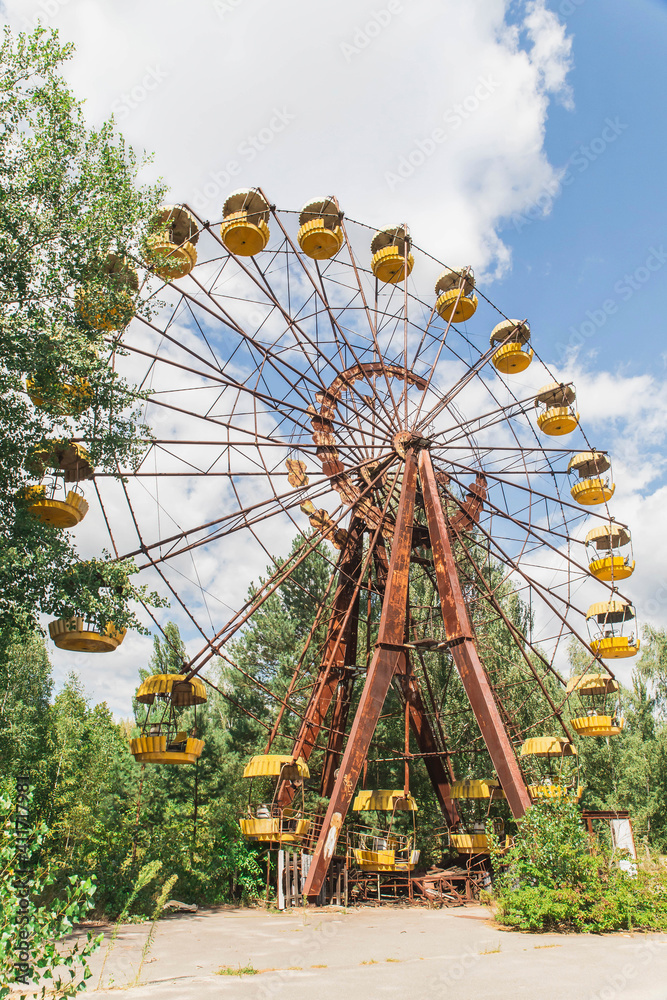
(556, 878)
(35, 936)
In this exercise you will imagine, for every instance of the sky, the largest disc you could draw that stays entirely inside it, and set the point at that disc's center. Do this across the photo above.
(524, 138)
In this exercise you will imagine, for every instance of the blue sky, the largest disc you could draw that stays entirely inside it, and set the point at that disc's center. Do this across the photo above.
(345, 92)
(604, 223)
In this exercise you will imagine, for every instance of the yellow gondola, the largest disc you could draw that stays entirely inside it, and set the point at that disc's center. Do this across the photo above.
(454, 289)
(58, 513)
(109, 301)
(556, 412)
(548, 746)
(606, 622)
(392, 260)
(471, 837)
(320, 235)
(592, 684)
(69, 457)
(171, 253)
(591, 488)
(513, 355)
(546, 791)
(539, 755)
(615, 541)
(245, 217)
(598, 725)
(595, 688)
(380, 848)
(76, 635)
(477, 788)
(161, 741)
(69, 399)
(267, 822)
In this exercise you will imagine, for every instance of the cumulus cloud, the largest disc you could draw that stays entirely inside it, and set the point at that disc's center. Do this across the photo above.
(432, 113)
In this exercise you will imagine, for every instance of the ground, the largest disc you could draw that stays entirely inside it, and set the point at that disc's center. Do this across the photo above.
(369, 952)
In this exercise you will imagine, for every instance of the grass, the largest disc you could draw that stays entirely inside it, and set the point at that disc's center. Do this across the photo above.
(241, 970)
(490, 951)
(371, 961)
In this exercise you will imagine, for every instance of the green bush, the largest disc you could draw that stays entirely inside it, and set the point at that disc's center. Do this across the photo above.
(555, 878)
(34, 938)
(222, 868)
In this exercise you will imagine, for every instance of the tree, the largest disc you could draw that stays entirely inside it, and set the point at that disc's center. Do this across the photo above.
(25, 690)
(68, 200)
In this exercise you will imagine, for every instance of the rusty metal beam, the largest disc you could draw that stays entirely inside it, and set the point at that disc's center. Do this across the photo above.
(337, 729)
(440, 776)
(462, 646)
(339, 650)
(386, 660)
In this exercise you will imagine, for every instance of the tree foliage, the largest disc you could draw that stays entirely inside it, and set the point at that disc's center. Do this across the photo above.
(554, 878)
(34, 943)
(68, 198)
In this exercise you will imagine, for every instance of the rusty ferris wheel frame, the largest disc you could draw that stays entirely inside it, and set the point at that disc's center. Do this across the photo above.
(360, 385)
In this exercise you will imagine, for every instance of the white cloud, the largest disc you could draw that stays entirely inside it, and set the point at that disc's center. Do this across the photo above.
(273, 89)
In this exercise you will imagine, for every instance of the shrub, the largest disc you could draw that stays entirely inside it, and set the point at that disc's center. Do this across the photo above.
(555, 878)
(33, 938)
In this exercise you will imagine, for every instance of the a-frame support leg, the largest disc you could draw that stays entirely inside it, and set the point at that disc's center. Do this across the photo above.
(464, 652)
(386, 660)
(340, 648)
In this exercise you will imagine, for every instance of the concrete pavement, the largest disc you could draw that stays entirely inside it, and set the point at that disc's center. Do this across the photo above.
(368, 952)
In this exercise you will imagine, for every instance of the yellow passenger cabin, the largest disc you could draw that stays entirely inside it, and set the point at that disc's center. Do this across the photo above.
(550, 766)
(556, 414)
(591, 485)
(245, 222)
(320, 234)
(162, 740)
(392, 261)
(70, 460)
(598, 694)
(380, 846)
(613, 629)
(610, 552)
(108, 300)
(46, 506)
(77, 635)
(171, 251)
(470, 837)
(455, 299)
(266, 821)
(513, 353)
(60, 397)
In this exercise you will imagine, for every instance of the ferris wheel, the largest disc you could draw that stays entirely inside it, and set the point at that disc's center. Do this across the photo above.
(314, 376)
